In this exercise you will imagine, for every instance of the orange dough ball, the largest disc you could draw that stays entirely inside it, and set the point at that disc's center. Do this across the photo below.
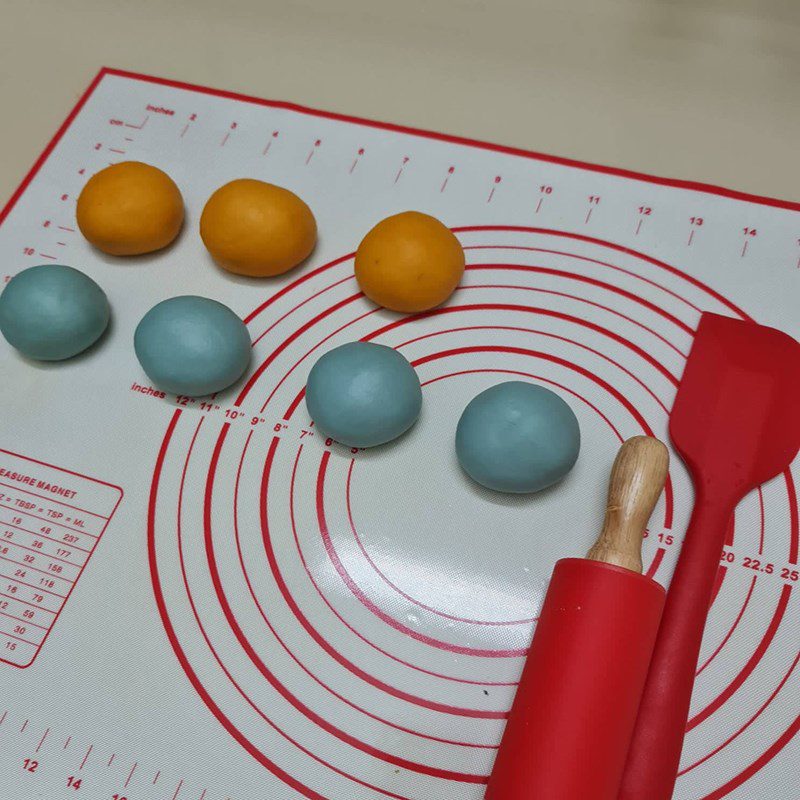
(409, 262)
(257, 229)
(130, 208)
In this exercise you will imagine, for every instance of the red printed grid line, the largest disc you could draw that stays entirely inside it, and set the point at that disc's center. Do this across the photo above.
(31, 586)
(51, 499)
(48, 521)
(19, 639)
(26, 603)
(24, 621)
(12, 543)
(50, 575)
(45, 535)
(53, 466)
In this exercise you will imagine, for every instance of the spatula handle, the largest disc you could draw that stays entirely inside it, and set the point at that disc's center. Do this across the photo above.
(654, 757)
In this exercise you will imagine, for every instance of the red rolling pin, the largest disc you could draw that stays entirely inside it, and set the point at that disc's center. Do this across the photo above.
(570, 727)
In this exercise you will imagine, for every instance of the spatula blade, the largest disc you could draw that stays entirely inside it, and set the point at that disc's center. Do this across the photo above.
(736, 418)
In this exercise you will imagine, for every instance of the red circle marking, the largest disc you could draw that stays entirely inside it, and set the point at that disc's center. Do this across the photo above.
(657, 559)
(541, 333)
(794, 539)
(222, 666)
(505, 307)
(560, 273)
(344, 622)
(365, 601)
(295, 283)
(308, 353)
(603, 243)
(264, 670)
(350, 582)
(400, 591)
(751, 664)
(300, 305)
(293, 656)
(545, 312)
(581, 300)
(322, 642)
(758, 764)
(173, 639)
(732, 629)
(251, 381)
(794, 517)
(589, 260)
(295, 334)
(747, 724)
(353, 630)
(521, 288)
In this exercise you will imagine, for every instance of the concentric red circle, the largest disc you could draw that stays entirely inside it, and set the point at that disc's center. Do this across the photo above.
(623, 318)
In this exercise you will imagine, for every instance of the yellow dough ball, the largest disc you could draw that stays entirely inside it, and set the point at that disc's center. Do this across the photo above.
(257, 229)
(130, 208)
(409, 262)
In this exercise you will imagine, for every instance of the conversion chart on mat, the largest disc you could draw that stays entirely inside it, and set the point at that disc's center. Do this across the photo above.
(205, 599)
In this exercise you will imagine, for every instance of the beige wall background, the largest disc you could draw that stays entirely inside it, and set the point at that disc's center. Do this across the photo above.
(700, 89)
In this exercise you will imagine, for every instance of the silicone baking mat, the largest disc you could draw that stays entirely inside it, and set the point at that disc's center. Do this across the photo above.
(206, 600)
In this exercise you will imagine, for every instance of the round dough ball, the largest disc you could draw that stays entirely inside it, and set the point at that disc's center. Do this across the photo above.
(409, 262)
(363, 394)
(52, 312)
(130, 208)
(257, 229)
(192, 346)
(517, 437)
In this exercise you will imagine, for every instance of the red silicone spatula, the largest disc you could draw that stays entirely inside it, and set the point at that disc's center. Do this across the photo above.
(736, 423)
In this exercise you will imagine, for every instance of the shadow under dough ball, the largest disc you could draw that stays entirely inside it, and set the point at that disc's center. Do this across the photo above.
(517, 437)
(363, 394)
(52, 312)
(192, 346)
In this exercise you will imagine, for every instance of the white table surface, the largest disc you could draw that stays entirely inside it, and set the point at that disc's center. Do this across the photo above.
(699, 89)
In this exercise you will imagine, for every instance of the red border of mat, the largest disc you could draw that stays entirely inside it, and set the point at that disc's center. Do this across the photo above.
(566, 162)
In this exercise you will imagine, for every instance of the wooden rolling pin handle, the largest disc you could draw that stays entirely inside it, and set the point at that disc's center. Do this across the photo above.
(637, 479)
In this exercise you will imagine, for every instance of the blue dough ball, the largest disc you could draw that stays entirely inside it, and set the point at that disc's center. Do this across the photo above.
(192, 346)
(363, 394)
(52, 312)
(517, 437)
